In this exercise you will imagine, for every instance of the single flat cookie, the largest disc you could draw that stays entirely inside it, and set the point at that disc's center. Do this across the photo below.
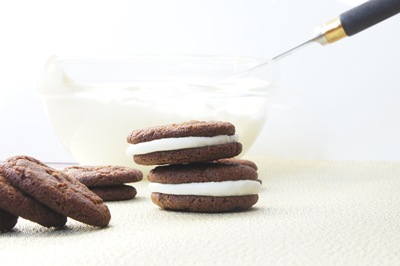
(115, 193)
(185, 129)
(7, 220)
(18, 203)
(201, 172)
(204, 187)
(189, 142)
(56, 190)
(202, 203)
(194, 155)
(239, 161)
(94, 176)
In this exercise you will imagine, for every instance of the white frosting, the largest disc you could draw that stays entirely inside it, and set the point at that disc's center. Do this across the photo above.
(169, 144)
(214, 189)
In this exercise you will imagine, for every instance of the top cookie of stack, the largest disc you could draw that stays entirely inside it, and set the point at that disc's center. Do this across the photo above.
(188, 142)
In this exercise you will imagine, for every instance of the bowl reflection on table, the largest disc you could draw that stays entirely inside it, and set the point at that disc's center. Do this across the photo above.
(95, 102)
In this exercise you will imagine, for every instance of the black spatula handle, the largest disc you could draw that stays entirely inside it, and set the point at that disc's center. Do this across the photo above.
(368, 14)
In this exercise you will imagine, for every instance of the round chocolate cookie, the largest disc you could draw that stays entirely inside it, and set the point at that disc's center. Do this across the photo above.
(193, 155)
(204, 187)
(7, 220)
(18, 203)
(115, 193)
(189, 142)
(239, 161)
(56, 190)
(185, 129)
(203, 204)
(94, 176)
(201, 172)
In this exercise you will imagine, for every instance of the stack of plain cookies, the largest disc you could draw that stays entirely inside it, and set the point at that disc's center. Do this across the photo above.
(110, 183)
(32, 190)
(194, 172)
(37, 192)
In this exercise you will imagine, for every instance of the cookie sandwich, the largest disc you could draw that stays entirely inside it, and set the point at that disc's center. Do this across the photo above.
(188, 142)
(204, 187)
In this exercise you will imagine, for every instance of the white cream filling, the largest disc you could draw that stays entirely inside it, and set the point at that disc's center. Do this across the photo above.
(213, 189)
(169, 144)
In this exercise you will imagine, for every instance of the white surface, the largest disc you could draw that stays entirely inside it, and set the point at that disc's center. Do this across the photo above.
(337, 102)
(309, 213)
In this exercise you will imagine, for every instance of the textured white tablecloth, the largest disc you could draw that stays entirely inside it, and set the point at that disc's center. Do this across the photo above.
(309, 213)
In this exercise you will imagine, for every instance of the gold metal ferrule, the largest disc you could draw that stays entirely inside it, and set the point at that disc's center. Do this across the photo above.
(333, 31)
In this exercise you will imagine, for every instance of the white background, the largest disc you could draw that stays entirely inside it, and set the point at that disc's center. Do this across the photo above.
(340, 102)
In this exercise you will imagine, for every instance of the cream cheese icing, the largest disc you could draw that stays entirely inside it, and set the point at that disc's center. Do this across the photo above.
(213, 189)
(168, 144)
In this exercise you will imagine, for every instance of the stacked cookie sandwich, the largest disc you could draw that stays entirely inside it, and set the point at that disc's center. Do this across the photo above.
(190, 175)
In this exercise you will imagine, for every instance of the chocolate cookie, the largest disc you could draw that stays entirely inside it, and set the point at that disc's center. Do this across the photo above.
(18, 203)
(239, 161)
(189, 142)
(201, 172)
(94, 176)
(204, 187)
(7, 220)
(203, 204)
(115, 193)
(56, 190)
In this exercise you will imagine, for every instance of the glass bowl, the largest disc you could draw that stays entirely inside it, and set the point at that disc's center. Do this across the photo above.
(95, 102)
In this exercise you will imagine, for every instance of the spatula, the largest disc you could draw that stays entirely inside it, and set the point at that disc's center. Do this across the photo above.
(351, 22)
